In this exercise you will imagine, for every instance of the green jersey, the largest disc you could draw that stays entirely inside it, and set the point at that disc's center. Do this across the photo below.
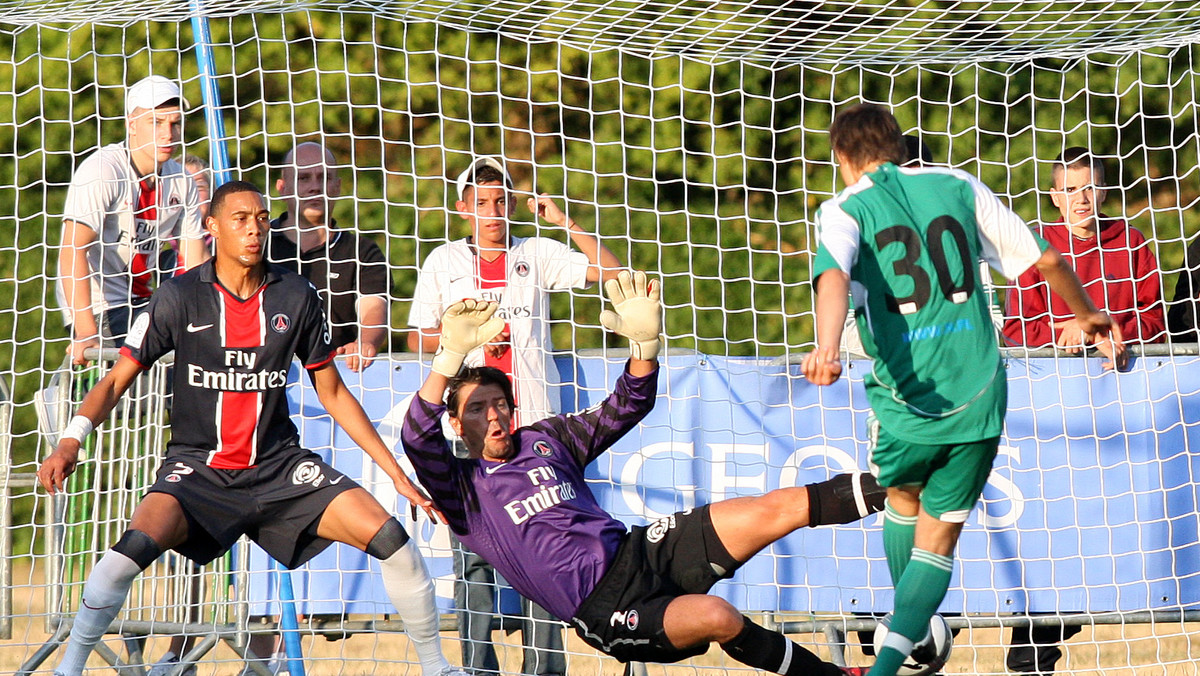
(911, 241)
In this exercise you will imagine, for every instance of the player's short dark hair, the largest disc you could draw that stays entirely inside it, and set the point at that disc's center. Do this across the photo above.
(478, 375)
(1078, 157)
(485, 173)
(917, 152)
(866, 133)
(226, 189)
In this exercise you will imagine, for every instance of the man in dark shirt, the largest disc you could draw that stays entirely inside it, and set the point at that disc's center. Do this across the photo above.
(521, 502)
(349, 270)
(234, 464)
(1183, 319)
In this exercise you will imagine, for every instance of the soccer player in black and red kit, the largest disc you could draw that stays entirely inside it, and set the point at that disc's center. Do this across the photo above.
(234, 465)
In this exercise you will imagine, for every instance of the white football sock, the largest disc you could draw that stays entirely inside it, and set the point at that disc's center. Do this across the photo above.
(103, 596)
(410, 588)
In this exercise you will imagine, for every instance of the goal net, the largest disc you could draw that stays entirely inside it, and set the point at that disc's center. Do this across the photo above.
(692, 137)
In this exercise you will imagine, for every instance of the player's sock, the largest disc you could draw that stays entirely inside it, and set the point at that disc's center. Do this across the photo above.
(103, 596)
(771, 651)
(410, 589)
(845, 498)
(898, 532)
(918, 595)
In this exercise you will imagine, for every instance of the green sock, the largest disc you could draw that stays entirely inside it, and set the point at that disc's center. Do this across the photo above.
(897, 541)
(918, 596)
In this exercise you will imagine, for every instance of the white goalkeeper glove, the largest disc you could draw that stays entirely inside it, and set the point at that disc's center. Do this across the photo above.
(466, 325)
(636, 313)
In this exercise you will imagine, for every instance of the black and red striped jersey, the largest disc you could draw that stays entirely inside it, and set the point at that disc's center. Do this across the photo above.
(232, 357)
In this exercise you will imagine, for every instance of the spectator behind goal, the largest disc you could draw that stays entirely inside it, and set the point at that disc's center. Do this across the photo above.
(1113, 260)
(125, 200)
(349, 270)
(1183, 319)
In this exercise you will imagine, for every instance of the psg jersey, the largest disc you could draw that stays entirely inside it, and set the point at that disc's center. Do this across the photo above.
(533, 517)
(232, 357)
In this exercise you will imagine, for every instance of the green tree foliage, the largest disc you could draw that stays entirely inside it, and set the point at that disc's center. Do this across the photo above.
(706, 172)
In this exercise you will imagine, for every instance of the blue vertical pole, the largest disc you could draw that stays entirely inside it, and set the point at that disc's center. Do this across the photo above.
(219, 160)
(289, 625)
(218, 154)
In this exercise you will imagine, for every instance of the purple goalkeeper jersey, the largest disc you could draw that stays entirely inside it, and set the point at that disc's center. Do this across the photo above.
(533, 517)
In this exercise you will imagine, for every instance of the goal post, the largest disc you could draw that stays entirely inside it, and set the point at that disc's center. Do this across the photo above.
(693, 138)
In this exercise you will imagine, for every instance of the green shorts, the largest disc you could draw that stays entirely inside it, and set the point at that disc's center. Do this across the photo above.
(952, 476)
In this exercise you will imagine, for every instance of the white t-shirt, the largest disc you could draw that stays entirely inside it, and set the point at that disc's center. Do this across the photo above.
(535, 266)
(104, 195)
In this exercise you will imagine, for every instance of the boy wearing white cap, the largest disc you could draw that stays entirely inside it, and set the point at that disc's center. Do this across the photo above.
(124, 201)
(518, 273)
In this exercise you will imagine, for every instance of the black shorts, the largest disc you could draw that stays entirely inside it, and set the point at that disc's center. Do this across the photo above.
(278, 503)
(655, 564)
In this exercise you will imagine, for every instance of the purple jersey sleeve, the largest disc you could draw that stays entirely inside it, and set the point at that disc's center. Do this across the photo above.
(436, 467)
(594, 430)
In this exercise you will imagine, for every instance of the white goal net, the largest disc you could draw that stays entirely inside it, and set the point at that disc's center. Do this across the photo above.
(692, 137)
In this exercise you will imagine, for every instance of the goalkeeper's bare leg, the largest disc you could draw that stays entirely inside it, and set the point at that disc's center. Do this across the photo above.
(744, 526)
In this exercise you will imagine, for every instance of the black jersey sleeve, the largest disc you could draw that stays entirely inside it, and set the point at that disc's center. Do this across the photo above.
(374, 278)
(153, 331)
(314, 347)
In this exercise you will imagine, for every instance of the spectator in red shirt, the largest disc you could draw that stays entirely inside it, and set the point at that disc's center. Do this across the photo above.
(1112, 259)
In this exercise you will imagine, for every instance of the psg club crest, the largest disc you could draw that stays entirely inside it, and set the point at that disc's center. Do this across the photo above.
(542, 449)
(521, 268)
(280, 323)
(631, 620)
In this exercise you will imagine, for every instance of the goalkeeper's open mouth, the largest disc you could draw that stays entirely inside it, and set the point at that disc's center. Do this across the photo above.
(496, 431)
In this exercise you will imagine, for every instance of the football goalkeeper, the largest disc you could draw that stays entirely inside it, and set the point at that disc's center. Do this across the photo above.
(521, 502)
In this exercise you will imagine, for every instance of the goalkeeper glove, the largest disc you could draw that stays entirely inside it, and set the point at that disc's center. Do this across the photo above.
(636, 313)
(466, 325)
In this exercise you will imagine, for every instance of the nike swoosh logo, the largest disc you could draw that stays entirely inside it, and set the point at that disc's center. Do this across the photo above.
(493, 468)
(192, 328)
(337, 481)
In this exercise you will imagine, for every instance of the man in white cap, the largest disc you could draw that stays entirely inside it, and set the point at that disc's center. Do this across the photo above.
(518, 273)
(126, 200)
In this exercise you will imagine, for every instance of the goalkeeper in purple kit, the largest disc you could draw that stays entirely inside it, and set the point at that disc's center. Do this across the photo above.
(521, 502)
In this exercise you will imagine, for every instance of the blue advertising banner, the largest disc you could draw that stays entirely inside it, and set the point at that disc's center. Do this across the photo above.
(1091, 506)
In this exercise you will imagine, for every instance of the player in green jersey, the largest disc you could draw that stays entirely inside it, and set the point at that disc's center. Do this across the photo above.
(904, 243)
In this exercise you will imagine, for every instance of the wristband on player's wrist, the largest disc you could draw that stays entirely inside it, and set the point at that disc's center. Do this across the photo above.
(78, 429)
(446, 362)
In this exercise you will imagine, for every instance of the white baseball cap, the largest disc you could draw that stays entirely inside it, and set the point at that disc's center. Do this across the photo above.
(467, 178)
(151, 92)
